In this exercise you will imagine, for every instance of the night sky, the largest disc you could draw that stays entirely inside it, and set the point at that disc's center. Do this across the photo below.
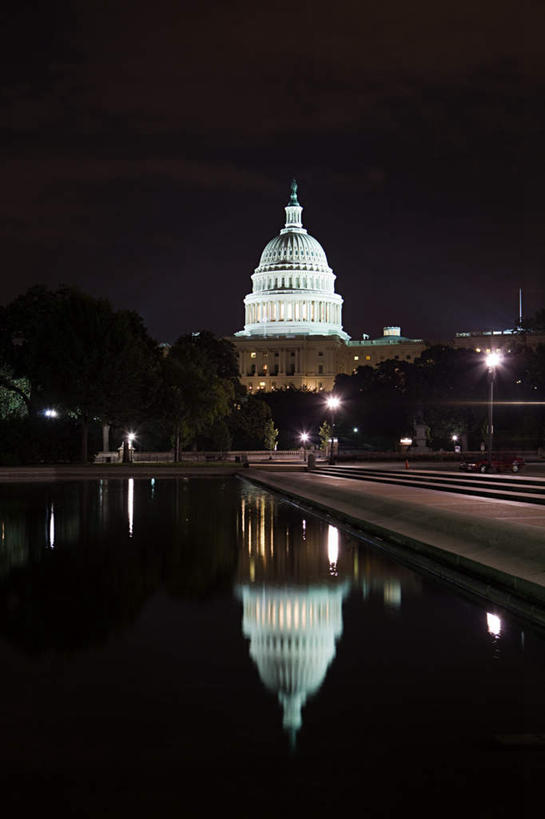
(148, 150)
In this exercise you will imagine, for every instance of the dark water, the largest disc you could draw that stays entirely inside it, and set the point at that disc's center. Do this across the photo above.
(174, 647)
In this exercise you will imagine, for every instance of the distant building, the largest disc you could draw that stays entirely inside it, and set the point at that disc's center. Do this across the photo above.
(494, 341)
(293, 334)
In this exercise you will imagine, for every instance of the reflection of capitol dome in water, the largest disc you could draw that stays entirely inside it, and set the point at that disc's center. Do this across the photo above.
(292, 636)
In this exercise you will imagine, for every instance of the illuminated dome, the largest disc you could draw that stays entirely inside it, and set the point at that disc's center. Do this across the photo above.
(293, 286)
(299, 250)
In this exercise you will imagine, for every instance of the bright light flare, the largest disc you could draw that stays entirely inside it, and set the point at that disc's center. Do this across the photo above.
(130, 437)
(333, 402)
(493, 360)
(304, 436)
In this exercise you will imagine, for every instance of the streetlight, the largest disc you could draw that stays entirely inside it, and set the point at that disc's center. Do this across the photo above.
(303, 437)
(492, 361)
(128, 446)
(333, 403)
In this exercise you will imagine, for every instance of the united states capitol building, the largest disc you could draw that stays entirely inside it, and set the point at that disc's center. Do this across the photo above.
(293, 333)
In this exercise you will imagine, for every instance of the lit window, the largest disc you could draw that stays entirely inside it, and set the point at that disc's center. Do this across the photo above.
(252, 355)
(261, 384)
(368, 358)
(477, 349)
(356, 358)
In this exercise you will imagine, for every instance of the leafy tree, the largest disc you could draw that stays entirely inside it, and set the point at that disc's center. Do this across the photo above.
(195, 394)
(325, 434)
(79, 355)
(270, 435)
(536, 323)
(14, 395)
(247, 422)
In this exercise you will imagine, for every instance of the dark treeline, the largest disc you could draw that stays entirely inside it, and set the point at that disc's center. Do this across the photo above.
(448, 389)
(67, 352)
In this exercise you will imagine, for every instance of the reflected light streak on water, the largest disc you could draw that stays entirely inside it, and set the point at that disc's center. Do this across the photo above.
(130, 504)
(52, 527)
(493, 623)
(333, 548)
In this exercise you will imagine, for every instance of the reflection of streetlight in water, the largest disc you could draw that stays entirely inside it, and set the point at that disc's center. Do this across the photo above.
(333, 549)
(493, 624)
(130, 505)
(52, 527)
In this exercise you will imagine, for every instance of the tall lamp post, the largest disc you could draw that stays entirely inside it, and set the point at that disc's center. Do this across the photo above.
(333, 403)
(304, 436)
(492, 361)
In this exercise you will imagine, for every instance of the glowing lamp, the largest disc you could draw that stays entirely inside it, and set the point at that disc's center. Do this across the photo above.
(492, 360)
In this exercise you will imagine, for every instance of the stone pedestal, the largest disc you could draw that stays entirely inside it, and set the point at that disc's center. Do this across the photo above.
(420, 442)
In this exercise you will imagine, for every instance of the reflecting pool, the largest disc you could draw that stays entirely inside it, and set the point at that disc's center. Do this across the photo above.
(183, 646)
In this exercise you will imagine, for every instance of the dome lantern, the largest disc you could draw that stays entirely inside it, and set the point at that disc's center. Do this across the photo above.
(293, 211)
